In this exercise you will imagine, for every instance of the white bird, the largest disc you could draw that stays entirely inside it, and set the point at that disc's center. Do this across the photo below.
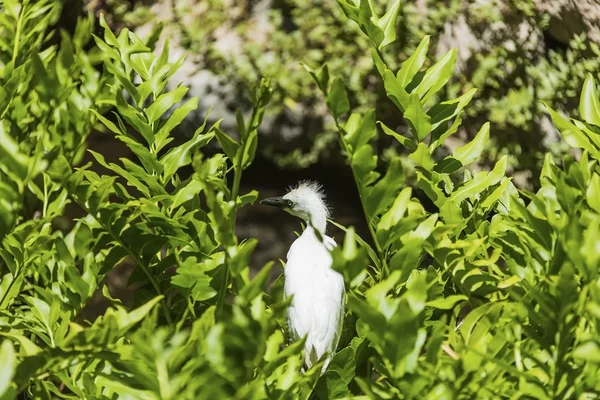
(317, 307)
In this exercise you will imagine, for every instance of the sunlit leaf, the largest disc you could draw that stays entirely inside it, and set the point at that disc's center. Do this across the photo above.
(446, 303)
(414, 63)
(589, 103)
(8, 360)
(437, 76)
(472, 150)
(419, 120)
(387, 23)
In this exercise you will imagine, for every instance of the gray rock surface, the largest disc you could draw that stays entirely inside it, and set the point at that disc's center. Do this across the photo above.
(572, 17)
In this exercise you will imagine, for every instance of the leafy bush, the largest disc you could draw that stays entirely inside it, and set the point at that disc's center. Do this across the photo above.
(494, 295)
(501, 302)
(507, 53)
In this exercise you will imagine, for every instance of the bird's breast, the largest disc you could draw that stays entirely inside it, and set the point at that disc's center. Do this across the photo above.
(308, 272)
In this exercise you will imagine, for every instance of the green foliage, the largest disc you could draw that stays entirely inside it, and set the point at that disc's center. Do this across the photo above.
(495, 294)
(503, 54)
(492, 295)
(177, 338)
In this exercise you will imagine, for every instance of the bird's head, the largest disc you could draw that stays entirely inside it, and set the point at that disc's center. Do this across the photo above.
(306, 201)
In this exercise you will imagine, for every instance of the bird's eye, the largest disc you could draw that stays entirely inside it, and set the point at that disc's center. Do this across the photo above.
(289, 203)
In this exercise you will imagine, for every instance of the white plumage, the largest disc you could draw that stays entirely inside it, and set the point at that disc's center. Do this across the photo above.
(317, 308)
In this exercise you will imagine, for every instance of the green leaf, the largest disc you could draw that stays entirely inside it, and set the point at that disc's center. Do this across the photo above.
(393, 216)
(8, 361)
(27, 347)
(9, 289)
(45, 313)
(240, 123)
(109, 124)
(447, 303)
(349, 8)
(187, 192)
(571, 134)
(109, 36)
(589, 351)
(396, 92)
(379, 197)
(131, 179)
(513, 280)
(468, 328)
(364, 163)
(448, 109)
(372, 254)
(447, 166)
(175, 120)
(592, 135)
(321, 78)
(257, 285)
(12, 161)
(155, 85)
(482, 181)
(593, 193)
(419, 121)
(414, 63)
(163, 103)
(156, 189)
(181, 155)
(387, 23)
(193, 275)
(491, 200)
(126, 320)
(123, 390)
(141, 63)
(422, 157)
(122, 78)
(589, 102)
(437, 76)
(366, 20)
(331, 385)
(471, 151)
(250, 147)
(440, 133)
(349, 260)
(378, 307)
(147, 159)
(230, 146)
(452, 214)
(359, 134)
(337, 98)
(431, 189)
(135, 118)
(241, 256)
(404, 141)
(248, 198)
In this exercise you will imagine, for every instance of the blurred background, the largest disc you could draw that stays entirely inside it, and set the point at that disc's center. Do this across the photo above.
(516, 52)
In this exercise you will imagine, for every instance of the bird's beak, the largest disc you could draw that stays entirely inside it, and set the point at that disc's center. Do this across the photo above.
(278, 202)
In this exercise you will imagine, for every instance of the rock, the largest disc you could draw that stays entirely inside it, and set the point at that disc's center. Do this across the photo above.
(571, 17)
(499, 26)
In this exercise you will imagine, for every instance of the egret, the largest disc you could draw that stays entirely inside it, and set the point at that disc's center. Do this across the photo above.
(317, 308)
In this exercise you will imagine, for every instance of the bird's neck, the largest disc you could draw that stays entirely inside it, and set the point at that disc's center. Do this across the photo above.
(318, 221)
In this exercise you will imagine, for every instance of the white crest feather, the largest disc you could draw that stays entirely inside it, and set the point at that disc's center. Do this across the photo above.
(305, 187)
